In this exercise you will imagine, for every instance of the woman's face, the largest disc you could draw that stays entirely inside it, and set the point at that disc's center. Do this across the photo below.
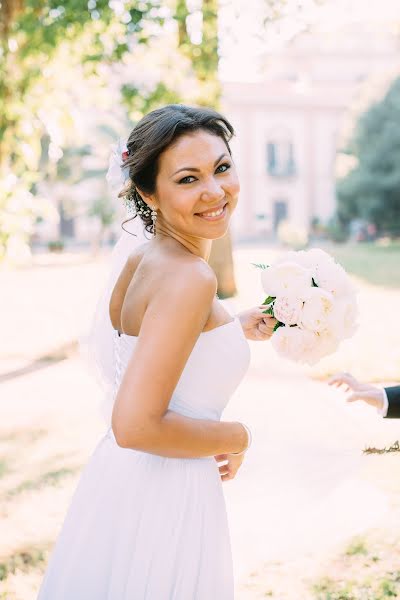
(197, 186)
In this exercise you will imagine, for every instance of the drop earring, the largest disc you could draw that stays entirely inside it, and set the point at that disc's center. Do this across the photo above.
(154, 219)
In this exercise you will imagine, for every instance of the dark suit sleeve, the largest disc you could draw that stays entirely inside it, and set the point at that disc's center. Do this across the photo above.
(393, 394)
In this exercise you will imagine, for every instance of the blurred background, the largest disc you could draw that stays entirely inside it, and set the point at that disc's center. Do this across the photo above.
(312, 88)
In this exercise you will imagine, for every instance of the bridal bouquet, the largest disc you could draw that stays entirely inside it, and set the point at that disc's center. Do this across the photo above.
(314, 302)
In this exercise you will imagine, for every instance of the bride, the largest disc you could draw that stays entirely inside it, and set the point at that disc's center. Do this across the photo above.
(148, 519)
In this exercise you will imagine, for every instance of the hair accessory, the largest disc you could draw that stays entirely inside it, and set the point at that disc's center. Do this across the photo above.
(117, 176)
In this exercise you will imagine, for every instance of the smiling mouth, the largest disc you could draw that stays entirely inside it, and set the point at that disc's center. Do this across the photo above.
(213, 215)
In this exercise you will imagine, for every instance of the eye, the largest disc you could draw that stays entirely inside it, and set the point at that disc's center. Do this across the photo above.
(222, 168)
(187, 179)
(190, 178)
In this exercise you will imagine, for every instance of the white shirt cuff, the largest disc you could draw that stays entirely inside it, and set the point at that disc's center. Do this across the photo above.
(384, 410)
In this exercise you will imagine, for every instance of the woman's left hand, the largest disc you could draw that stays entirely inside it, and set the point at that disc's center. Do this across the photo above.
(256, 324)
(229, 470)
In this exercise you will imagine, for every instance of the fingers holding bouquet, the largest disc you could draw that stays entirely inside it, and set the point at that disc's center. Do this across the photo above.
(257, 325)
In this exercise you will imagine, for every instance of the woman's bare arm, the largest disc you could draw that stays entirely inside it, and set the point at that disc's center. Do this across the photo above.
(174, 318)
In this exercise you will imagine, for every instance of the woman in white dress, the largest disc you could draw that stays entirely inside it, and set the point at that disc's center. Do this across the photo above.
(148, 519)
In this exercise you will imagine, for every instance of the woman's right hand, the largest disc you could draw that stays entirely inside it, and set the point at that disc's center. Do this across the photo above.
(360, 391)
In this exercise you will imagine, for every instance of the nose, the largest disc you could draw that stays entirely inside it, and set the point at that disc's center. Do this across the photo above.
(212, 191)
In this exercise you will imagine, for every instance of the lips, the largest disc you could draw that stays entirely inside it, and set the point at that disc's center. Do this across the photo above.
(214, 213)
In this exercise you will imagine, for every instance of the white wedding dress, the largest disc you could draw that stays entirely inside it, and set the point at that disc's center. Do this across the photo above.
(146, 527)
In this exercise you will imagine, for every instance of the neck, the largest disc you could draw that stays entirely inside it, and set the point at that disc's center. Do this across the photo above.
(198, 246)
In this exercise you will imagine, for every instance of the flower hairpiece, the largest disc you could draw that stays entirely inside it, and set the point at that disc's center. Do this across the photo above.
(117, 176)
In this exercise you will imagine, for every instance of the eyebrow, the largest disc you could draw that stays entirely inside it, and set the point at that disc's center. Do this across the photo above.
(195, 168)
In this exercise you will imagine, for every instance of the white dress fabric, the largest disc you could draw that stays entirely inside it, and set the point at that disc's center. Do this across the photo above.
(146, 527)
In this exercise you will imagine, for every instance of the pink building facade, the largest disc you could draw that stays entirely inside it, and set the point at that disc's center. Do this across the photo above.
(290, 125)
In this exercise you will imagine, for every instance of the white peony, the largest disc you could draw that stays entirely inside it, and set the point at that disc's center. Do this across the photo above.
(328, 342)
(287, 309)
(343, 319)
(325, 343)
(294, 343)
(317, 310)
(309, 259)
(327, 273)
(333, 278)
(315, 257)
(287, 278)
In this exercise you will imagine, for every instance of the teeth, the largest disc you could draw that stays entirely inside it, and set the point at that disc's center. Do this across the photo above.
(215, 213)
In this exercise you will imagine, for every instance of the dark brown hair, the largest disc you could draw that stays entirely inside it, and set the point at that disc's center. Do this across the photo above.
(151, 136)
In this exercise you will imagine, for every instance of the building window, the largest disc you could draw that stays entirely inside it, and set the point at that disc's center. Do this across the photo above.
(280, 159)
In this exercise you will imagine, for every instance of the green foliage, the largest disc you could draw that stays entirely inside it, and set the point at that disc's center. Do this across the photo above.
(327, 589)
(103, 210)
(357, 547)
(372, 189)
(55, 246)
(39, 41)
(337, 228)
(379, 589)
(38, 31)
(139, 104)
(51, 478)
(3, 467)
(202, 53)
(375, 263)
(279, 9)
(24, 560)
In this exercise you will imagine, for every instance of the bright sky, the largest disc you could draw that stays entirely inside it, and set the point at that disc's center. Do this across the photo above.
(244, 38)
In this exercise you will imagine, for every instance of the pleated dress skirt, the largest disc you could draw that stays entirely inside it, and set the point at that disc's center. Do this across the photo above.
(143, 527)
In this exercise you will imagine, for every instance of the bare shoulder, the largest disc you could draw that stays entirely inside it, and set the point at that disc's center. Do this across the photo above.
(136, 256)
(181, 298)
(190, 275)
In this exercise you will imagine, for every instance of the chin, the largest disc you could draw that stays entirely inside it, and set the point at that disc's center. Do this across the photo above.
(214, 230)
(213, 233)
(216, 235)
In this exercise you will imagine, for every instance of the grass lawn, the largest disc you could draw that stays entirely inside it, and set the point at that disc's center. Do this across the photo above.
(375, 263)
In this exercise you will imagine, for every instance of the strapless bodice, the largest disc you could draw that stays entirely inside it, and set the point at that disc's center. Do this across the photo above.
(216, 366)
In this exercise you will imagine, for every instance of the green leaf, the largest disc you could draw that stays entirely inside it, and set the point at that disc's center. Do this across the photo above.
(279, 324)
(260, 265)
(269, 299)
(269, 311)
